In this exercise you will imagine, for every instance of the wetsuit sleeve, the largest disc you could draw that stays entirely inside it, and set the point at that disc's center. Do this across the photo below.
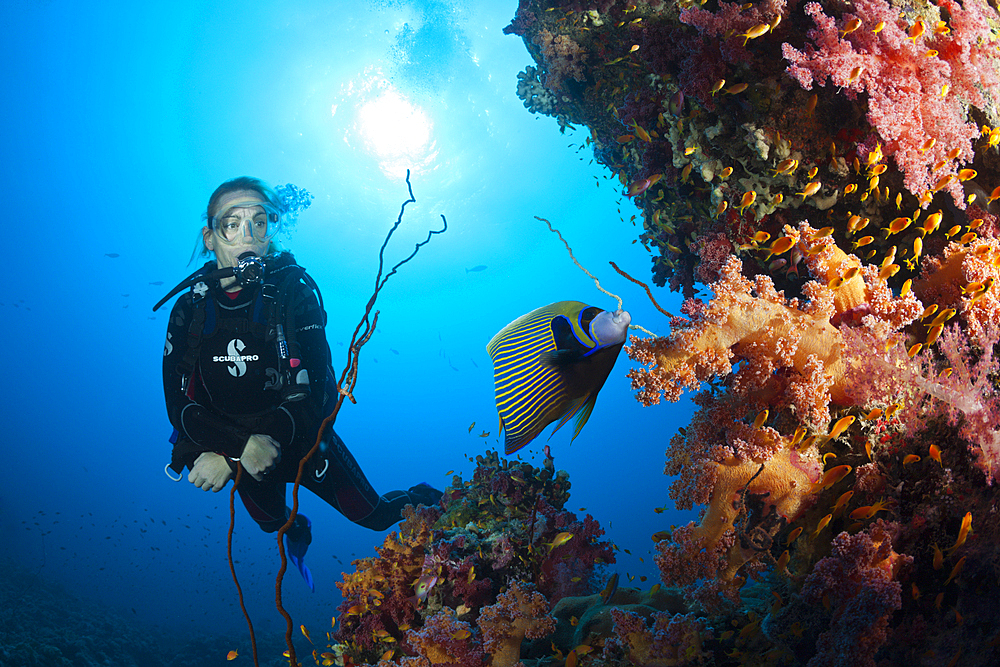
(206, 430)
(298, 420)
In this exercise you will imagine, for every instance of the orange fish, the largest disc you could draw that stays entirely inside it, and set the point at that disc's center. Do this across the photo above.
(792, 535)
(560, 539)
(761, 418)
(642, 185)
(810, 189)
(641, 133)
(783, 561)
(938, 558)
(464, 633)
(753, 33)
(842, 501)
(780, 246)
(306, 633)
(832, 476)
(748, 199)
(943, 316)
(821, 525)
(850, 27)
(955, 570)
(231, 655)
(788, 165)
(910, 458)
(870, 510)
(841, 426)
(963, 532)
(935, 453)
(888, 271)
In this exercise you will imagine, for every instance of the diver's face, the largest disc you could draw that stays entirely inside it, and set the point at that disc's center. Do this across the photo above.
(239, 217)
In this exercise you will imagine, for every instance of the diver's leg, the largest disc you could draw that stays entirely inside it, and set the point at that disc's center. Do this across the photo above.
(334, 476)
(264, 500)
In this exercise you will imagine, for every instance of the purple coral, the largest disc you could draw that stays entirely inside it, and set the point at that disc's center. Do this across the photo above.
(858, 580)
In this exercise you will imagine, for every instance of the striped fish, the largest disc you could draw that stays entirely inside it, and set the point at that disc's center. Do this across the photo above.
(550, 364)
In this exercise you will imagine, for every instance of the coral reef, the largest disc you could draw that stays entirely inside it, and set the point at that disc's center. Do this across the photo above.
(472, 580)
(830, 172)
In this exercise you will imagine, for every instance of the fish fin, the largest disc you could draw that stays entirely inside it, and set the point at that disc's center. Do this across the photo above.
(583, 416)
(571, 409)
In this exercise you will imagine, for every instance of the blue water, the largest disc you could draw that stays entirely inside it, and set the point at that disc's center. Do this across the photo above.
(119, 121)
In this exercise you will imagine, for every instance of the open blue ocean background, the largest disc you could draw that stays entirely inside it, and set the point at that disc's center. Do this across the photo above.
(119, 119)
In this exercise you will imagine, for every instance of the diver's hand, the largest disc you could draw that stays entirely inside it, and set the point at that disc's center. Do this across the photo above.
(261, 453)
(210, 472)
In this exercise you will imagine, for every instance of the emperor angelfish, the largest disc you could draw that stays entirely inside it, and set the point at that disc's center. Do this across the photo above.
(550, 364)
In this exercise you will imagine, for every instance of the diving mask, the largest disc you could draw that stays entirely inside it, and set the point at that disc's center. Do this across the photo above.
(243, 219)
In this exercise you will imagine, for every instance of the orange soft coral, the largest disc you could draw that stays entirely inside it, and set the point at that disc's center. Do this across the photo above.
(711, 549)
(793, 351)
(964, 280)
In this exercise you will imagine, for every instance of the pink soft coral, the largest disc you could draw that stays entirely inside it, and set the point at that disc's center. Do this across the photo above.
(520, 612)
(912, 97)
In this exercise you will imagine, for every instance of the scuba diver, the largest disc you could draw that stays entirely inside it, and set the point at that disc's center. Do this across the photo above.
(247, 376)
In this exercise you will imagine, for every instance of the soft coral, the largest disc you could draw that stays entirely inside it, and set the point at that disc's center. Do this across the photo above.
(908, 101)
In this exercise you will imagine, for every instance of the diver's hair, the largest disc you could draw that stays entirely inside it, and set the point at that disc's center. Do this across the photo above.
(234, 185)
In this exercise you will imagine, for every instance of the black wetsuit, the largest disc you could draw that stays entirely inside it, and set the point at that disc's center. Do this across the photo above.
(235, 392)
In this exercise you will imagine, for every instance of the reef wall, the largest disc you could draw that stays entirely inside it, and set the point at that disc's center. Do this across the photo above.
(829, 171)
